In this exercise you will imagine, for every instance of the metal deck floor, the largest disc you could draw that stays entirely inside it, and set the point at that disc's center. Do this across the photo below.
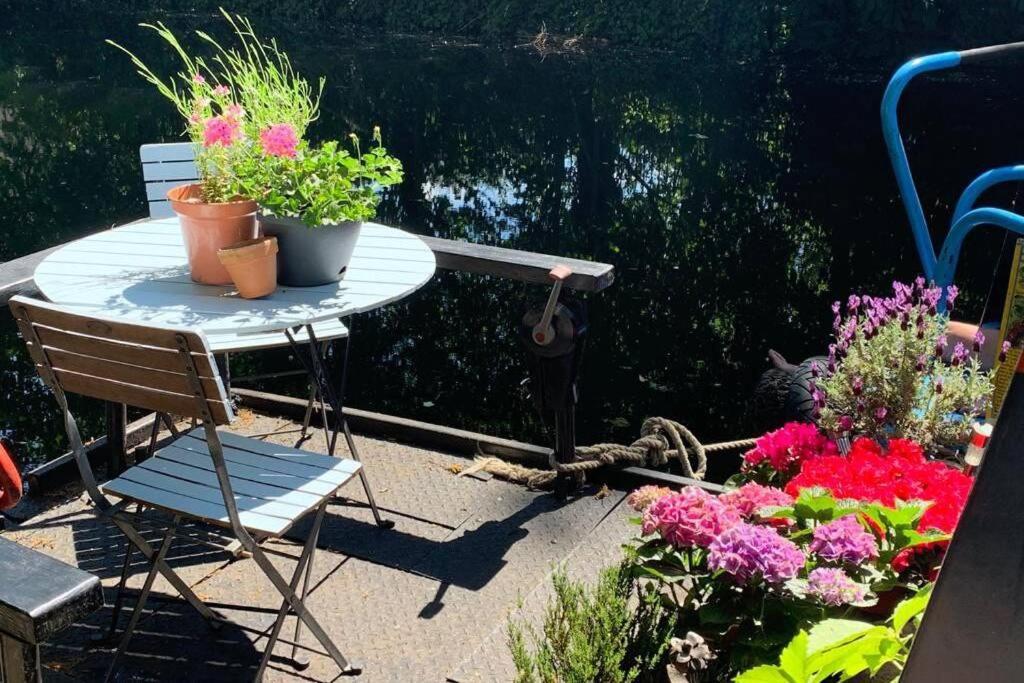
(426, 601)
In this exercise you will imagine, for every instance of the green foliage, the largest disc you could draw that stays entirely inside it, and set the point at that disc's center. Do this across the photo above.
(322, 185)
(249, 87)
(892, 383)
(840, 649)
(594, 636)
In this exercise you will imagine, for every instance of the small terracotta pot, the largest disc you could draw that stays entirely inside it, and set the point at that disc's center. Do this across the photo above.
(252, 265)
(207, 228)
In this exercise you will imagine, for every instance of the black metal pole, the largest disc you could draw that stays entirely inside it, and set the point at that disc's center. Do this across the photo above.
(974, 625)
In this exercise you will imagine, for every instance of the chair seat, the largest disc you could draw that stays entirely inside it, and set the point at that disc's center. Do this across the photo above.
(237, 343)
(273, 485)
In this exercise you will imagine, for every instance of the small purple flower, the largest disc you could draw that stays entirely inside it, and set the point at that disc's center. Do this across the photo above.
(940, 345)
(853, 303)
(922, 363)
(880, 413)
(845, 423)
(815, 369)
(833, 587)
(952, 292)
(844, 540)
(979, 339)
(861, 406)
(818, 396)
(749, 552)
(919, 283)
(836, 307)
(938, 384)
(857, 386)
(1005, 349)
(960, 354)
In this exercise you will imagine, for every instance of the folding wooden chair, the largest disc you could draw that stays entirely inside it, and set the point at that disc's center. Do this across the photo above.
(254, 489)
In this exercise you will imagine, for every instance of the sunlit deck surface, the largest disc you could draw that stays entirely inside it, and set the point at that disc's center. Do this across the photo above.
(426, 601)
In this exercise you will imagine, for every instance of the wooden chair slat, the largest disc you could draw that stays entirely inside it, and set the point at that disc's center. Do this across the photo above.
(210, 512)
(173, 382)
(140, 397)
(133, 354)
(270, 490)
(52, 316)
(240, 469)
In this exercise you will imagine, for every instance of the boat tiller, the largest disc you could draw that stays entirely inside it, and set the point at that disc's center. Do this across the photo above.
(554, 337)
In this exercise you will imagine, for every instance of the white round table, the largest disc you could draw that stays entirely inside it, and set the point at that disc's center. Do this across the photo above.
(139, 273)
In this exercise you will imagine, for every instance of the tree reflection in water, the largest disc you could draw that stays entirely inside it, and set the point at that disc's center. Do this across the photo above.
(735, 201)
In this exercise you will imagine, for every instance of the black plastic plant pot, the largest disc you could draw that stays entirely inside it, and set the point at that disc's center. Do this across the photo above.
(308, 257)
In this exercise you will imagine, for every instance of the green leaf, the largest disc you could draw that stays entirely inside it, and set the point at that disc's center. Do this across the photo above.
(832, 633)
(793, 659)
(910, 608)
(765, 673)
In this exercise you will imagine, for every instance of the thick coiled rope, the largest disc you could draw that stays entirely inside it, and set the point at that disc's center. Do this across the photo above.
(660, 440)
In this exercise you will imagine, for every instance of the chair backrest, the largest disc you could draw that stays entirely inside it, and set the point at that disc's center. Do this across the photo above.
(157, 368)
(165, 166)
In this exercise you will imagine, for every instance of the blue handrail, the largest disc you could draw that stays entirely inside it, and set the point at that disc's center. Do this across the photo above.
(898, 154)
(965, 217)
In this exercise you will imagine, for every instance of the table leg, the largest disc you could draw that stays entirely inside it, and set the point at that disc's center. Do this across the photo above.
(117, 425)
(316, 366)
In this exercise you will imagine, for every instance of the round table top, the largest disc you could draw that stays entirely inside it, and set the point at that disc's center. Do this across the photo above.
(139, 273)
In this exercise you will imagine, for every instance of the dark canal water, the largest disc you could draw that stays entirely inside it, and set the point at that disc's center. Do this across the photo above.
(735, 201)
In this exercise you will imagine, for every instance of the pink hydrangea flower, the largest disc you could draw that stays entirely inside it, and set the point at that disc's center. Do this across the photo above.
(692, 517)
(844, 540)
(750, 498)
(833, 587)
(220, 130)
(643, 497)
(279, 140)
(784, 449)
(198, 79)
(234, 111)
(221, 90)
(749, 552)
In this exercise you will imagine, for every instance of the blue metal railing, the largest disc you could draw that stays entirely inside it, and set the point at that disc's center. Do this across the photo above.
(941, 269)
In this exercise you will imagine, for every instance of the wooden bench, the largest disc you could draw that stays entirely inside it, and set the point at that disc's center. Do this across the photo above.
(39, 596)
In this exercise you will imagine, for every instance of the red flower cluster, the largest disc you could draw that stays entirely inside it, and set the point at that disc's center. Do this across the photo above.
(902, 473)
(786, 448)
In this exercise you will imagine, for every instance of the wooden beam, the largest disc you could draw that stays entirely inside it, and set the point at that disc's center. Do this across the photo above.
(16, 275)
(526, 266)
(974, 624)
(62, 469)
(403, 429)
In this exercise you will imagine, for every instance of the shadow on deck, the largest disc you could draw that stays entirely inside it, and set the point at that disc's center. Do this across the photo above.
(425, 601)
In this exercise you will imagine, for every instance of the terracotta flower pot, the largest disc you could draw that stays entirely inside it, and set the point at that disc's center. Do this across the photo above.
(206, 228)
(252, 265)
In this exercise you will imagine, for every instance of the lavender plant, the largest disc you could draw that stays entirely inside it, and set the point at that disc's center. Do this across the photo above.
(886, 374)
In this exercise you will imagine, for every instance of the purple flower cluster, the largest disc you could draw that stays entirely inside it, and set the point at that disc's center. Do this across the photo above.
(748, 552)
(866, 315)
(750, 498)
(833, 587)
(844, 541)
(692, 517)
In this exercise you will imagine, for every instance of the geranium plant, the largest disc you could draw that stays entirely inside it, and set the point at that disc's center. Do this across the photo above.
(886, 374)
(232, 100)
(323, 185)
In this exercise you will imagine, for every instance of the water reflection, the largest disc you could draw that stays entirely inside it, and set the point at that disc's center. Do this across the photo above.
(735, 202)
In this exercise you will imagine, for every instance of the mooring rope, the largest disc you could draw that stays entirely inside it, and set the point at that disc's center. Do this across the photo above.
(660, 440)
